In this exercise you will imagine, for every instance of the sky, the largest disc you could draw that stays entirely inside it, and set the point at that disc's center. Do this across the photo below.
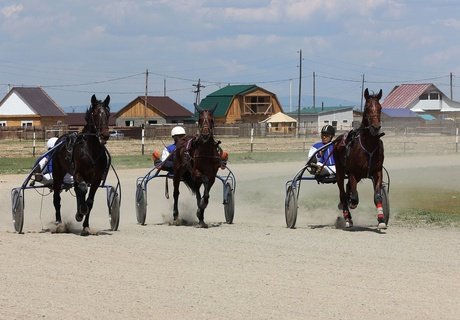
(77, 48)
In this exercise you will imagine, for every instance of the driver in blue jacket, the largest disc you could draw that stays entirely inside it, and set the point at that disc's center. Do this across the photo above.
(324, 160)
(176, 133)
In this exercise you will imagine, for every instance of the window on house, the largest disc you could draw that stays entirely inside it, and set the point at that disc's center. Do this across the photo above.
(434, 96)
(153, 122)
(2, 123)
(257, 105)
(345, 121)
(129, 123)
(424, 96)
(26, 123)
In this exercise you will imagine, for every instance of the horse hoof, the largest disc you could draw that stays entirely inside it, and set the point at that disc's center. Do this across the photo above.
(78, 217)
(202, 224)
(381, 226)
(85, 232)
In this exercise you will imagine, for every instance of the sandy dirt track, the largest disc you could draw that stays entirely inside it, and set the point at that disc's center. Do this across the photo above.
(253, 269)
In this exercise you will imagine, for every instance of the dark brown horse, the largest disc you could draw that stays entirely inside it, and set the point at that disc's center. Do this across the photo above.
(196, 162)
(84, 156)
(359, 154)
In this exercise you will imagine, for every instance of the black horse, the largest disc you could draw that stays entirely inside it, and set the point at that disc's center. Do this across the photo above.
(359, 155)
(196, 162)
(85, 157)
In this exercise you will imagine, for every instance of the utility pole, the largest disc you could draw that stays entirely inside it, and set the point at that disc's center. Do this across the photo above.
(197, 92)
(164, 87)
(314, 90)
(146, 92)
(451, 94)
(362, 93)
(300, 93)
(144, 126)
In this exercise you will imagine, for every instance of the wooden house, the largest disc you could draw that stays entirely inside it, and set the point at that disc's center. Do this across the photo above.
(159, 110)
(30, 107)
(242, 104)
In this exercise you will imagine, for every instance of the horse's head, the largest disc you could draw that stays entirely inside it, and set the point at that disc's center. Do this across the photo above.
(372, 112)
(97, 118)
(205, 123)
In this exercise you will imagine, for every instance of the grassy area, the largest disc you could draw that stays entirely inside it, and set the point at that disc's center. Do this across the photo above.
(24, 165)
(419, 217)
(427, 206)
(16, 165)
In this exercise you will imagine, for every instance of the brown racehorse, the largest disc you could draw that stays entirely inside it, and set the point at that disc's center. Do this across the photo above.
(359, 154)
(85, 157)
(196, 162)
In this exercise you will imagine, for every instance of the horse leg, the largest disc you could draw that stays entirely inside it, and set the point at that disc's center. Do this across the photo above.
(89, 204)
(57, 204)
(201, 205)
(352, 192)
(81, 188)
(176, 182)
(57, 183)
(344, 201)
(377, 179)
(203, 202)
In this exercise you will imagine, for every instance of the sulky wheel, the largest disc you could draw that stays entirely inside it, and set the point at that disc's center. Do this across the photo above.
(290, 207)
(229, 204)
(386, 204)
(114, 208)
(141, 204)
(17, 205)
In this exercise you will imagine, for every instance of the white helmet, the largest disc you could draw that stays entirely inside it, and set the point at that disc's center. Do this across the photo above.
(51, 142)
(177, 131)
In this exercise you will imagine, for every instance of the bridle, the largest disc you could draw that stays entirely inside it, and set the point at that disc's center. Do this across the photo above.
(99, 116)
(372, 116)
(206, 126)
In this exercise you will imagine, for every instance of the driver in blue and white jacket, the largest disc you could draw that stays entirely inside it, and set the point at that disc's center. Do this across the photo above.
(325, 162)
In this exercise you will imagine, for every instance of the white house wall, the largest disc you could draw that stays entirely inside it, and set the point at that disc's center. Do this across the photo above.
(14, 105)
(344, 119)
(444, 105)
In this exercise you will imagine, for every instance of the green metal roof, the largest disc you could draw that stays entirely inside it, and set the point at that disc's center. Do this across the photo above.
(233, 90)
(319, 110)
(223, 98)
(222, 104)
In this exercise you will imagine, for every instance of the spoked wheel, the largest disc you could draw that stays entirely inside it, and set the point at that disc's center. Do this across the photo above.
(290, 207)
(113, 202)
(229, 204)
(141, 204)
(17, 205)
(385, 204)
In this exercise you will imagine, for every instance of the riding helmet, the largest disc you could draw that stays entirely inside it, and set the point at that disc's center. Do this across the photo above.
(51, 142)
(328, 129)
(176, 131)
